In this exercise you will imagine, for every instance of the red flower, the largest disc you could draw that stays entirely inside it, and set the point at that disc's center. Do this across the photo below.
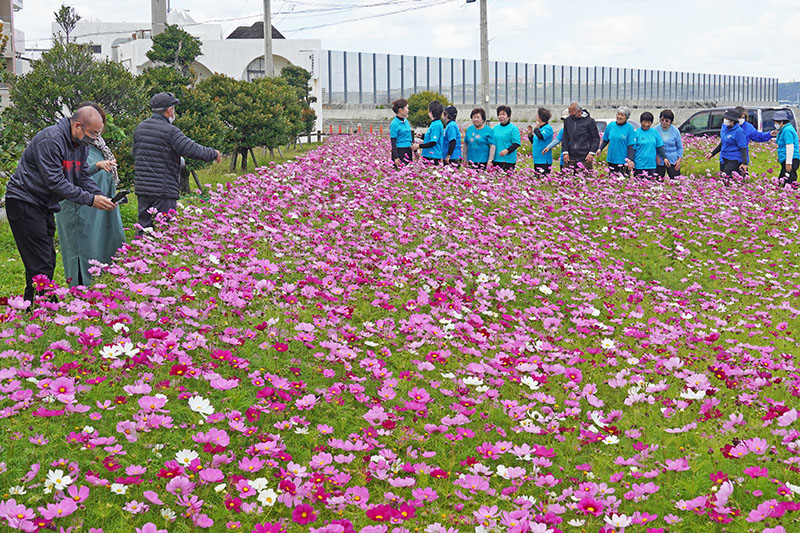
(381, 513)
(280, 346)
(233, 503)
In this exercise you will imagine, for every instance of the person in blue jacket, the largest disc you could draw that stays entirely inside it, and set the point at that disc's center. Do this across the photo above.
(788, 148)
(673, 145)
(433, 147)
(452, 137)
(479, 141)
(732, 146)
(750, 131)
(645, 148)
(618, 136)
(540, 137)
(508, 139)
(557, 140)
(400, 134)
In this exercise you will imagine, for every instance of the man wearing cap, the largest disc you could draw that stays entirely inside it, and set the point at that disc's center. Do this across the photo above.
(157, 149)
(53, 168)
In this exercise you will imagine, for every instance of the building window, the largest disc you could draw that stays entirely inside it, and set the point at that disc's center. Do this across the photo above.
(97, 49)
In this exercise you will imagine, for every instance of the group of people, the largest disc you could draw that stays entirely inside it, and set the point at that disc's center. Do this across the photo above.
(67, 169)
(648, 151)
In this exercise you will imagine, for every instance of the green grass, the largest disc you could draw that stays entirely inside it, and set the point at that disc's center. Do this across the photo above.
(12, 271)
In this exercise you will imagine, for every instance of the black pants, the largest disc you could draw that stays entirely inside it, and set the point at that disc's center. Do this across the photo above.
(505, 166)
(542, 168)
(405, 155)
(579, 159)
(729, 166)
(649, 173)
(432, 161)
(33, 228)
(791, 176)
(664, 170)
(162, 205)
(455, 163)
(614, 168)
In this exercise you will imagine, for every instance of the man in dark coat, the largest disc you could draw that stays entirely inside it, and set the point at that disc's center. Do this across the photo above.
(581, 139)
(53, 168)
(157, 149)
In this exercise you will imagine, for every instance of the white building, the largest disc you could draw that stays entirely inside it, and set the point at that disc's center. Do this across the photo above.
(16, 39)
(239, 56)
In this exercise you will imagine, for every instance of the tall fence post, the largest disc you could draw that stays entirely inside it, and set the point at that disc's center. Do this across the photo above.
(330, 77)
(388, 78)
(374, 78)
(360, 88)
(344, 62)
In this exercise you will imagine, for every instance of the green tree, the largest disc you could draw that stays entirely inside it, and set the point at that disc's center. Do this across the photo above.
(67, 19)
(418, 107)
(299, 78)
(262, 112)
(65, 76)
(176, 48)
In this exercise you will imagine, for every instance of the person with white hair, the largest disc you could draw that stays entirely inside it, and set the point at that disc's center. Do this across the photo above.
(618, 136)
(581, 138)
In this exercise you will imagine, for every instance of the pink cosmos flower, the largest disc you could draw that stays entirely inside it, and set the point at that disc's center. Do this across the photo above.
(61, 509)
(304, 514)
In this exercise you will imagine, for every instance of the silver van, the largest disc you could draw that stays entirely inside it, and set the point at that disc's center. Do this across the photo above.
(709, 121)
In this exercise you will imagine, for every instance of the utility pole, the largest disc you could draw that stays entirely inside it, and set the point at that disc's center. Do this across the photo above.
(484, 54)
(269, 68)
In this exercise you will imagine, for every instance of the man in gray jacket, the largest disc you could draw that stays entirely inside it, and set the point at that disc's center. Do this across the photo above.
(157, 149)
(53, 168)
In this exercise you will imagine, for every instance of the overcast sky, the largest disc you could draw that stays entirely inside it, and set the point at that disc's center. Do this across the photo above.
(741, 37)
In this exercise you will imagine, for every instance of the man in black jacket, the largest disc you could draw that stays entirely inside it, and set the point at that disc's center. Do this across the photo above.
(581, 139)
(53, 168)
(157, 149)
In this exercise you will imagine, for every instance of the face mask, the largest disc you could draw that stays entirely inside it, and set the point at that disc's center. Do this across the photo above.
(778, 125)
(172, 117)
(85, 140)
(741, 121)
(728, 122)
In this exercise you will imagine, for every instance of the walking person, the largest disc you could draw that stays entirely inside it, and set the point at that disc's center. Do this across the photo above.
(86, 234)
(673, 145)
(732, 148)
(452, 137)
(52, 168)
(433, 145)
(400, 134)
(618, 136)
(581, 138)
(788, 148)
(540, 137)
(157, 149)
(646, 147)
(507, 138)
(479, 143)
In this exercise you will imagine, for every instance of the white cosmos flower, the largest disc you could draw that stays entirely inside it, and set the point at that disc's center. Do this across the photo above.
(611, 439)
(185, 457)
(267, 497)
(618, 521)
(198, 404)
(607, 344)
(58, 480)
(544, 289)
(110, 352)
(693, 395)
(168, 514)
(119, 488)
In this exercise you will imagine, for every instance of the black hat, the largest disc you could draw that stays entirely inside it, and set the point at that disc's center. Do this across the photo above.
(163, 101)
(451, 111)
(731, 114)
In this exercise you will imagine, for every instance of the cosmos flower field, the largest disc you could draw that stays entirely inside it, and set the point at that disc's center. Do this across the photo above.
(330, 345)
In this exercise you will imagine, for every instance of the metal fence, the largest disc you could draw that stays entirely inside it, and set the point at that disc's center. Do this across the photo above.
(368, 78)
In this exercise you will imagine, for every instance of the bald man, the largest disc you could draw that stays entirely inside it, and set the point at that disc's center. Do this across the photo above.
(53, 168)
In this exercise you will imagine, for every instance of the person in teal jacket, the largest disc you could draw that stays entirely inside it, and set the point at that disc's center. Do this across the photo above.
(508, 139)
(400, 134)
(557, 140)
(452, 137)
(540, 137)
(618, 136)
(433, 145)
(788, 147)
(647, 145)
(479, 141)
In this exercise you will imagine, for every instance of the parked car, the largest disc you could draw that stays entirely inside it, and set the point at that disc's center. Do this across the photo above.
(709, 121)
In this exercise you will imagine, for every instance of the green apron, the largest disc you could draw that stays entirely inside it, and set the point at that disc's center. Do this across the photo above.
(86, 233)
